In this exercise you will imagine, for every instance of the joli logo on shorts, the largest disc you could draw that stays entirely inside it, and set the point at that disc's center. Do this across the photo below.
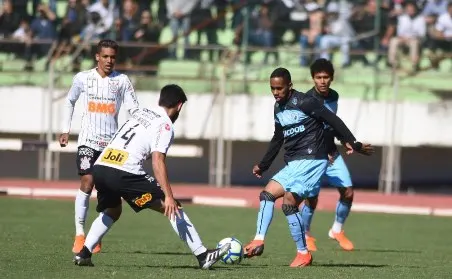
(115, 157)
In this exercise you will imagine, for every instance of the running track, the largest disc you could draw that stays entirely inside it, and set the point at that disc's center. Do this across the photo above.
(365, 201)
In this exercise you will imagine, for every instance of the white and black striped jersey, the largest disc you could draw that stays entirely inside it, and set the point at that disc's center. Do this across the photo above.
(101, 100)
(148, 130)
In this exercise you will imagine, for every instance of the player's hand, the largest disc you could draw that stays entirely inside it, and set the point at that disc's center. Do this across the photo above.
(64, 139)
(257, 171)
(331, 159)
(349, 148)
(171, 208)
(367, 149)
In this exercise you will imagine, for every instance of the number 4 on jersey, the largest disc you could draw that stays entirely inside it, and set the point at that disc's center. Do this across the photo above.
(128, 135)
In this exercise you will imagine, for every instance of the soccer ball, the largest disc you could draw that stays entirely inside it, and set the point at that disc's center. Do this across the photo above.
(235, 253)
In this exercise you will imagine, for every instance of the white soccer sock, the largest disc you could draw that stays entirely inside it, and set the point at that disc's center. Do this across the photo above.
(337, 227)
(81, 210)
(98, 229)
(187, 232)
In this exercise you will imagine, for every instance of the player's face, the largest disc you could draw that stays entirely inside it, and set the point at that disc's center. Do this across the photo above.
(280, 89)
(106, 60)
(322, 82)
(176, 112)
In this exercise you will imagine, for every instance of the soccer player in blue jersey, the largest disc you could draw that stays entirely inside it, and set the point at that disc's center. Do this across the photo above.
(299, 126)
(337, 174)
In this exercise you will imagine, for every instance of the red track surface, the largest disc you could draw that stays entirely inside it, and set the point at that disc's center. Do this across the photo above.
(327, 201)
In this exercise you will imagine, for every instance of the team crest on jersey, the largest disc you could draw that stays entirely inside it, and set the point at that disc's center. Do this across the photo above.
(167, 127)
(113, 86)
(294, 101)
(85, 163)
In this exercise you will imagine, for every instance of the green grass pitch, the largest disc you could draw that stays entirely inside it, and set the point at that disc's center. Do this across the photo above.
(36, 239)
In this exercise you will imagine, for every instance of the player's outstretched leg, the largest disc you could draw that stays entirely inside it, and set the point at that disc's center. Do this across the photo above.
(187, 232)
(307, 212)
(293, 215)
(267, 199)
(81, 207)
(342, 211)
(98, 229)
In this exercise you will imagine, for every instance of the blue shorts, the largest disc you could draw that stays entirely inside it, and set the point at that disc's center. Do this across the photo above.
(302, 177)
(337, 174)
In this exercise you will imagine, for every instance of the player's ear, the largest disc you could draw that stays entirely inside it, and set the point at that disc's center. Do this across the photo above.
(179, 106)
(290, 85)
(97, 57)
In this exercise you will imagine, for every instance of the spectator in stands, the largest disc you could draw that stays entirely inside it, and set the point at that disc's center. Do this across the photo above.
(410, 31)
(43, 28)
(9, 20)
(179, 12)
(202, 17)
(100, 20)
(442, 37)
(363, 22)
(338, 33)
(129, 21)
(148, 32)
(311, 32)
(20, 7)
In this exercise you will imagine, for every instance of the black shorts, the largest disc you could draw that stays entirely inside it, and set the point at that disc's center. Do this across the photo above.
(86, 157)
(139, 191)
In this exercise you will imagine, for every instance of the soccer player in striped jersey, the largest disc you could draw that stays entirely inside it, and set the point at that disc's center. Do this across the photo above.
(119, 175)
(101, 91)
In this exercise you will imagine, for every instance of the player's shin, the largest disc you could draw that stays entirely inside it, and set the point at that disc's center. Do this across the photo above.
(265, 215)
(307, 213)
(293, 216)
(342, 211)
(81, 210)
(187, 232)
(98, 229)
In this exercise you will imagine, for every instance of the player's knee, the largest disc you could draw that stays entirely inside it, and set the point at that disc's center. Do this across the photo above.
(347, 195)
(87, 183)
(113, 213)
(266, 196)
(289, 209)
(312, 202)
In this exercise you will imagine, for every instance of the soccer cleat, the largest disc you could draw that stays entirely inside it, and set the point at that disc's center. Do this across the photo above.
(78, 243)
(210, 257)
(254, 248)
(344, 242)
(97, 248)
(310, 243)
(302, 260)
(83, 258)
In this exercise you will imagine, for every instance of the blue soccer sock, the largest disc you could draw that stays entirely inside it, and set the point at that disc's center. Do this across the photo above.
(296, 230)
(342, 211)
(264, 218)
(306, 215)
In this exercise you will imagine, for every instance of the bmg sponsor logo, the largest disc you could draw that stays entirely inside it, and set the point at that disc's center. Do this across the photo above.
(293, 131)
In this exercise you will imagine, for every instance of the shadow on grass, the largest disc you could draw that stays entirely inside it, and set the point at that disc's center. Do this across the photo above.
(351, 265)
(388, 251)
(148, 253)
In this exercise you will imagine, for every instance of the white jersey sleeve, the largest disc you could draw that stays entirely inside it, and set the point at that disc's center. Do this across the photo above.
(69, 104)
(163, 138)
(130, 99)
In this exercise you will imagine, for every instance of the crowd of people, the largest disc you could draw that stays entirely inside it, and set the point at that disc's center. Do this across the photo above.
(320, 27)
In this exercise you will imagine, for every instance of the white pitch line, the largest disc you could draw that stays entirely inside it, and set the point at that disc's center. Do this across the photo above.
(219, 201)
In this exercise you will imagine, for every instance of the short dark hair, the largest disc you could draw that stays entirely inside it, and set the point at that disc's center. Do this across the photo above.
(107, 44)
(281, 73)
(322, 65)
(171, 95)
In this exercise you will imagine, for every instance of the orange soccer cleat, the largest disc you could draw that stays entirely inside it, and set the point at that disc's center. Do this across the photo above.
(97, 248)
(340, 237)
(302, 260)
(310, 243)
(254, 248)
(79, 241)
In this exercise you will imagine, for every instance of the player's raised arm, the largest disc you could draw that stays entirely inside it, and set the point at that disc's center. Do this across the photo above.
(315, 109)
(273, 149)
(130, 98)
(68, 108)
